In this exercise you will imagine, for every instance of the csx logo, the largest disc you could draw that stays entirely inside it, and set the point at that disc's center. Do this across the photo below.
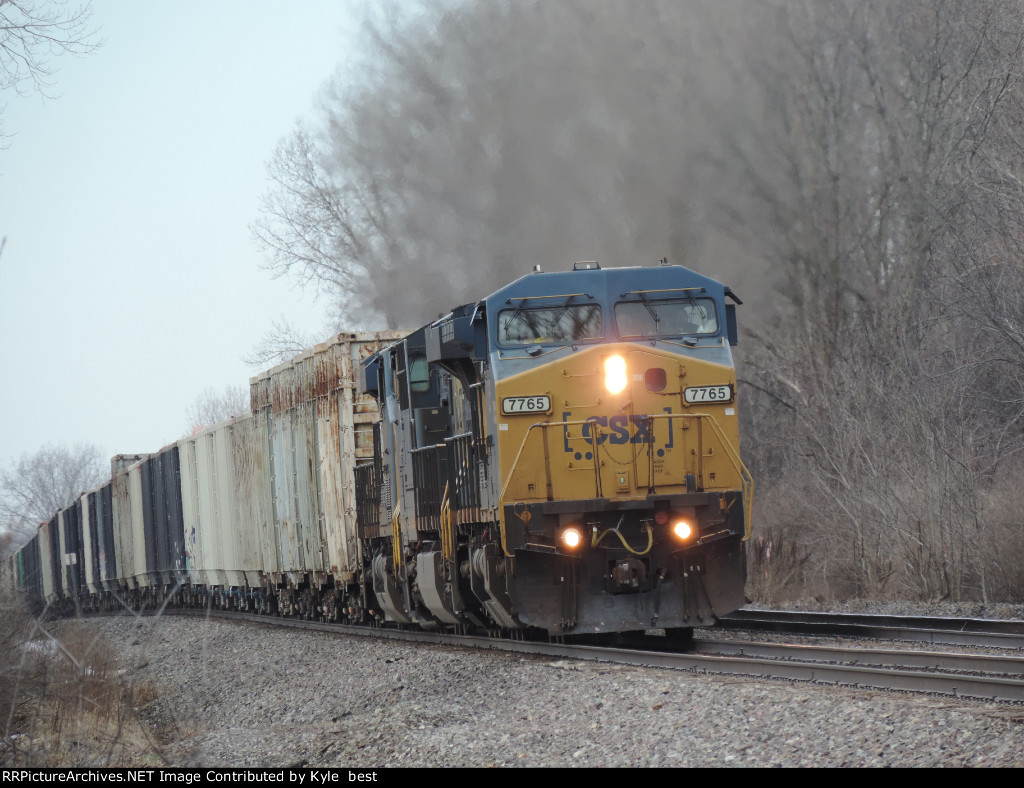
(617, 430)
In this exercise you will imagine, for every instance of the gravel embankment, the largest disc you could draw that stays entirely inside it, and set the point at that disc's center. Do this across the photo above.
(245, 695)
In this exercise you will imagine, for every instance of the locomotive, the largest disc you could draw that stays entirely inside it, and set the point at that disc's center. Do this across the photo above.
(561, 456)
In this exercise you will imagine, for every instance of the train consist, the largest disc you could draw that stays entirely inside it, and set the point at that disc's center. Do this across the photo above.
(562, 455)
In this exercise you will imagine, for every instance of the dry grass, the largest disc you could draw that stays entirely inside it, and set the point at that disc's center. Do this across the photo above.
(65, 702)
(775, 569)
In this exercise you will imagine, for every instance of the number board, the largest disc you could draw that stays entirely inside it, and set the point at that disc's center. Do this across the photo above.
(535, 404)
(702, 394)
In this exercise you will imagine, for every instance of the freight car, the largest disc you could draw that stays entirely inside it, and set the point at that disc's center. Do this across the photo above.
(561, 456)
(256, 513)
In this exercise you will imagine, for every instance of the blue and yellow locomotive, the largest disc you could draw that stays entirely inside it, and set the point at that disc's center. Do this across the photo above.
(564, 455)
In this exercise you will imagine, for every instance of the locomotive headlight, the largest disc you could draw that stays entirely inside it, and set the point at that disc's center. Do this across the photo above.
(682, 530)
(572, 538)
(615, 374)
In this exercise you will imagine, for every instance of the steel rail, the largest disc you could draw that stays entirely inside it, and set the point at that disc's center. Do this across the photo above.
(997, 665)
(918, 629)
(961, 624)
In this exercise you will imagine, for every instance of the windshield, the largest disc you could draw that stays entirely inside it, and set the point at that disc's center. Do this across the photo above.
(551, 324)
(648, 317)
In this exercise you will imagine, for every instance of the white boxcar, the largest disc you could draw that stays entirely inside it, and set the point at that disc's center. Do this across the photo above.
(140, 575)
(90, 544)
(195, 564)
(224, 506)
(255, 506)
(126, 541)
(62, 552)
(317, 429)
(202, 514)
(46, 561)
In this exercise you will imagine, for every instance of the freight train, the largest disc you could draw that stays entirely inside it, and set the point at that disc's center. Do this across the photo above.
(561, 456)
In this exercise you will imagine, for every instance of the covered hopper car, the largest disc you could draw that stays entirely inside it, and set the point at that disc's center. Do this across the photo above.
(561, 456)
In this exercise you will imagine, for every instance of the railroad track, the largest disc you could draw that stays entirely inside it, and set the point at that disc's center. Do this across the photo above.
(998, 678)
(975, 632)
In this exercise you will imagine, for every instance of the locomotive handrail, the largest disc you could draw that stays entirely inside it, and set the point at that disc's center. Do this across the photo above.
(738, 466)
(396, 537)
(447, 537)
(730, 450)
(747, 481)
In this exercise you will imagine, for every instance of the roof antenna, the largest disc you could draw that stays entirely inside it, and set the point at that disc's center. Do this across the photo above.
(537, 269)
(664, 261)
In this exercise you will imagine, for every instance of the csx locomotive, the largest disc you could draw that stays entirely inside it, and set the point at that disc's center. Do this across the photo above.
(562, 455)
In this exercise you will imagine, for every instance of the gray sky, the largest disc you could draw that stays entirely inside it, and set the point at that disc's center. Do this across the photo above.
(129, 281)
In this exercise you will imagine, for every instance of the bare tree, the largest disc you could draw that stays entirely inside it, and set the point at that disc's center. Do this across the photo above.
(9, 543)
(36, 486)
(450, 160)
(211, 407)
(282, 342)
(881, 182)
(34, 31)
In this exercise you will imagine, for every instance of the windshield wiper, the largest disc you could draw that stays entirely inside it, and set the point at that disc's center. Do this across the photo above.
(562, 311)
(650, 308)
(698, 307)
(515, 314)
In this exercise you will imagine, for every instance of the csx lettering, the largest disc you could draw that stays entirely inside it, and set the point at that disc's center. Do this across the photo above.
(615, 430)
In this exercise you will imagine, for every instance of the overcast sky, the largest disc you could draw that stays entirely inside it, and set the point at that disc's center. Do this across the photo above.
(130, 281)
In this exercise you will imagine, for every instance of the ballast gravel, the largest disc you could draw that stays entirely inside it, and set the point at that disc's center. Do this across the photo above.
(238, 694)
